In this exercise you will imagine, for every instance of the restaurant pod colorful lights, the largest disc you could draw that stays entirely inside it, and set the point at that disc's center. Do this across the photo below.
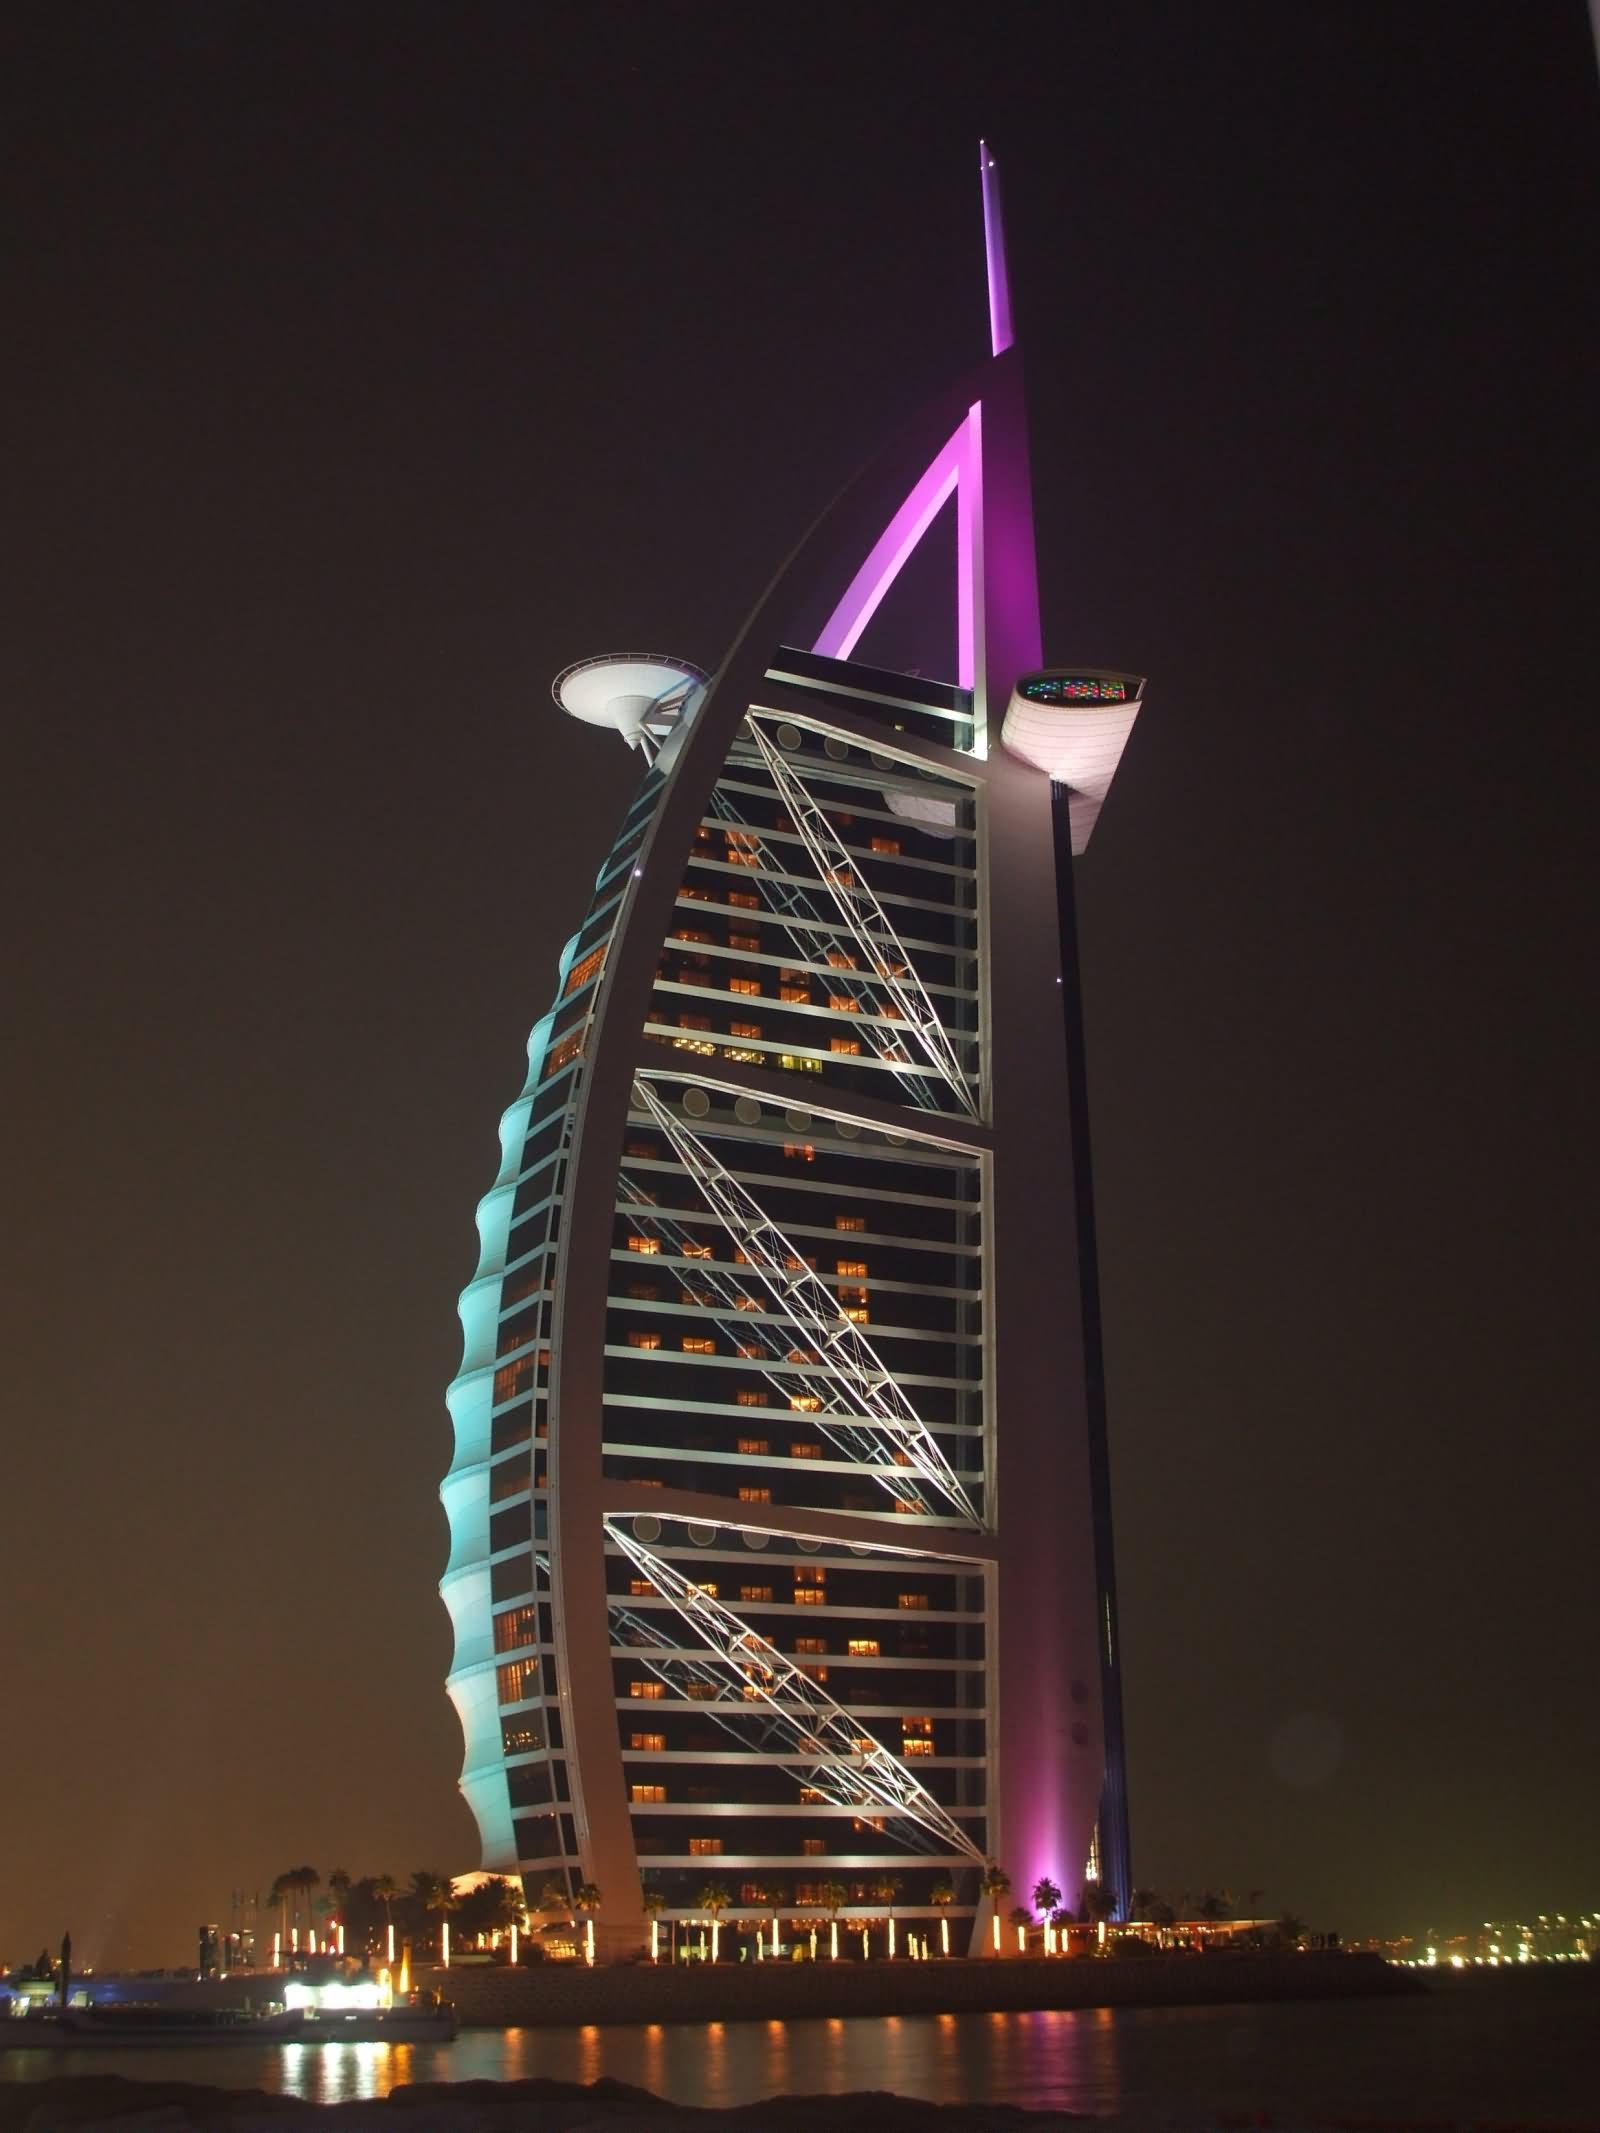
(780, 1567)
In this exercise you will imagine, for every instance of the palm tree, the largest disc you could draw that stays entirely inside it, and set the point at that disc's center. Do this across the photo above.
(714, 1898)
(996, 1882)
(885, 1888)
(503, 1906)
(1099, 1902)
(384, 1890)
(586, 1898)
(652, 1903)
(1214, 1909)
(1142, 1905)
(1021, 1918)
(280, 1896)
(338, 1892)
(302, 1880)
(441, 1899)
(943, 1893)
(833, 1896)
(1046, 1896)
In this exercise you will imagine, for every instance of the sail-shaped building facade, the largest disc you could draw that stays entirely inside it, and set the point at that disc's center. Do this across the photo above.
(779, 1513)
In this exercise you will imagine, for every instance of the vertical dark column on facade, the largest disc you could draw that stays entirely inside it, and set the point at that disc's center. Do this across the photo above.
(1116, 1864)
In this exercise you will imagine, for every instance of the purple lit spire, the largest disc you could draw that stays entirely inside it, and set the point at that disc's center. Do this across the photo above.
(994, 245)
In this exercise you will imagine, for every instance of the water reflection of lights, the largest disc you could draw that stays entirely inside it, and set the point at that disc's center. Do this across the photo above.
(589, 2052)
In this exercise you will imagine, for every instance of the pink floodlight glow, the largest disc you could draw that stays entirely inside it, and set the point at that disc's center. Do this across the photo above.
(957, 466)
(994, 247)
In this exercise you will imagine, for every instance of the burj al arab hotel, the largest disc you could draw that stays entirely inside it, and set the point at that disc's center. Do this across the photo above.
(779, 1510)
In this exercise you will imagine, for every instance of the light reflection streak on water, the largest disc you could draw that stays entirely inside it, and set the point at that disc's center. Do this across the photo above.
(1058, 2060)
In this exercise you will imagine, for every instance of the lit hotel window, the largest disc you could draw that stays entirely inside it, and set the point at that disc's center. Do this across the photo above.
(583, 971)
(749, 943)
(796, 995)
(809, 1596)
(514, 1628)
(710, 1591)
(813, 1848)
(855, 1267)
(744, 899)
(647, 1245)
(753, 1447)
(647, 1795)
(648, 1743)
(847, 1047)
(849, 1221)
(641, 1589)
(567, 1050)
(747, 1396)
(863, 1647)
(647, 1691)
(703, 1251)
(694, 1044)
(842, 1004)
(800, 1151)
(755, 1592)
(644, 1340)
(810, 1574)
(749, 986)
(885, 844)
(805, 1451)
(805, 1403)
(839, 960)
(750, 1495)
(913, 1600)
(697, 1344)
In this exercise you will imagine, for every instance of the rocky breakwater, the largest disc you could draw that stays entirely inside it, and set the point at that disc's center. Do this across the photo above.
(79, 2104)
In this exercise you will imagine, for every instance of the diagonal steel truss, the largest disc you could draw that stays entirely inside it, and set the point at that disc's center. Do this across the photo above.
(843, 1352)
(793, 902)
(859, 1438)
(865, 917)
(820, 1738)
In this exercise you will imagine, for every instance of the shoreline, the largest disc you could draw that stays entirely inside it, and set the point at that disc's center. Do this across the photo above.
(564, 1995)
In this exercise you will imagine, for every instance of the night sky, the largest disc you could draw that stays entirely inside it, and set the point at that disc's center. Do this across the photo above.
(366, 364)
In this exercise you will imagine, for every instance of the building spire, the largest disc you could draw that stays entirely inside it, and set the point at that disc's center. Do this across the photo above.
(994, 245)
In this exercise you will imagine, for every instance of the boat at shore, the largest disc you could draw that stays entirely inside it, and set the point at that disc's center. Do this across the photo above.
(421, 2019)
(71, 2028)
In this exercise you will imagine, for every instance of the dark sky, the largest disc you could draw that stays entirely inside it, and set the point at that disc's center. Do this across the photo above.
(366, 364)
